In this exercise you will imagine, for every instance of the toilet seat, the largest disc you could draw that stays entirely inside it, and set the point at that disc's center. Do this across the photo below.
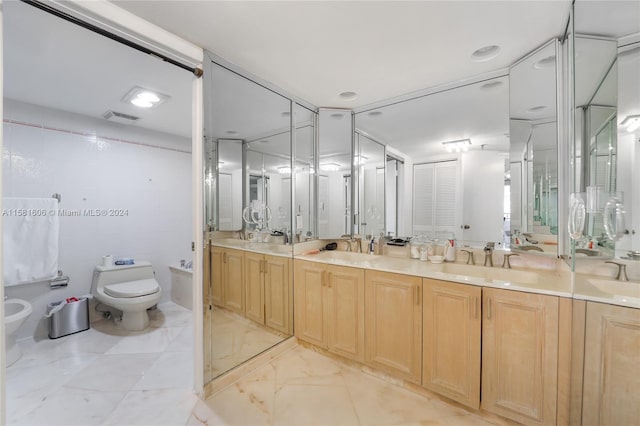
(132, 288)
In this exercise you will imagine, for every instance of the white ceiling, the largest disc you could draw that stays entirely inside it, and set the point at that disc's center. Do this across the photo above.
(53, 63)
(379, 49)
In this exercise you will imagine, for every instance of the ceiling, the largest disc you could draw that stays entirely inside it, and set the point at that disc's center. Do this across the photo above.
(378, 49)
(53, 63)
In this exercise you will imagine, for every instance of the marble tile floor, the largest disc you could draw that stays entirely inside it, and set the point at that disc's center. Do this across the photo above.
(237, 339)
(302, 387)
(107, 376)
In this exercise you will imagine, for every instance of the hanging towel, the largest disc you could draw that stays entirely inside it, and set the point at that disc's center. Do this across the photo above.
(30, 229)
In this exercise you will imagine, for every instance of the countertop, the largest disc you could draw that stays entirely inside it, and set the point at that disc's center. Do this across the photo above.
(271, 249)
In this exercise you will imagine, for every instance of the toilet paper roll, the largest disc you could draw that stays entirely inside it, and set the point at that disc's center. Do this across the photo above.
(107, 260)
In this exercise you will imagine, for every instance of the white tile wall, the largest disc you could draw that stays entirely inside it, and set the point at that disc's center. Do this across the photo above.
(152, 183)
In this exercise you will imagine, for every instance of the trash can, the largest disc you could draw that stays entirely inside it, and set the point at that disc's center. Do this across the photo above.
(72, 318)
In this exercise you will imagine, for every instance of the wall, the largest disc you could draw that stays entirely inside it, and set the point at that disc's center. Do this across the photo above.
(96, 164)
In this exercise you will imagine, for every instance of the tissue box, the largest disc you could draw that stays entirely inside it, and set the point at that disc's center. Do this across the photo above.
(72, 318)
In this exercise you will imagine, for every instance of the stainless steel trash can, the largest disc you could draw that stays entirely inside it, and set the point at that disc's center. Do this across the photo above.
(72, 318)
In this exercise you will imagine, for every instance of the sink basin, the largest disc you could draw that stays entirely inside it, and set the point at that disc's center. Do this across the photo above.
(512, 275)
(623, 289)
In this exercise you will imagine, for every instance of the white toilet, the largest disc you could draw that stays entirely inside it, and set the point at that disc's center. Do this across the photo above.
(131, 289)
(16, 312)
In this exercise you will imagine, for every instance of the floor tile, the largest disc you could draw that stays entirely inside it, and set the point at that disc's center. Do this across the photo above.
(151, 340)
(113, 372)
(171, 370)
(153, 407)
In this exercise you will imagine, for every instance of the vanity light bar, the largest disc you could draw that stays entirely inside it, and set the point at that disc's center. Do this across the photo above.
(457, 146)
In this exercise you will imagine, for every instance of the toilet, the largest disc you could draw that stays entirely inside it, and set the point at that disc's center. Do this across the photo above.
(131, 289)
(16, 312)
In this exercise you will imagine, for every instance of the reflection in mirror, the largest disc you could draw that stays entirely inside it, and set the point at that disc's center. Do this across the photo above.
(247, 290)
(370, 161)
(334, 175)
(595, 161)
(459, 192)
(533, 130)
(305, 211)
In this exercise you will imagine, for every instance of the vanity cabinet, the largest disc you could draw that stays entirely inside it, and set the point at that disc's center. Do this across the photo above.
(267, 290)
(329, 307)
(228, 279)
(393, 324)
(520, 356)
(451, 340)
(611, 385)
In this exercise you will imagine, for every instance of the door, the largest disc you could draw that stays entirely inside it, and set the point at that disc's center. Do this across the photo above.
(393, 323)
(345, 311)
(451, 340)
(233, 289)
(520, 355)
(277, 293)
(611, 390)
(254, 286)
(309, 284)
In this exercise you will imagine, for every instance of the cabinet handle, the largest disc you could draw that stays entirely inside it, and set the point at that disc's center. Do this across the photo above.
(266, 270)
(224, 257)
(417, 295)
(323, 278)
(475, 305)
(261, 267)
(329, 279)
(488, 308)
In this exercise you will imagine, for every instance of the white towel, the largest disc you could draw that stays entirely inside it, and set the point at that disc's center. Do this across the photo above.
(30, 229)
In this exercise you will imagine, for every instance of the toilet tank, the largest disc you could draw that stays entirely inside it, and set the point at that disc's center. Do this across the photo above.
(105, 275)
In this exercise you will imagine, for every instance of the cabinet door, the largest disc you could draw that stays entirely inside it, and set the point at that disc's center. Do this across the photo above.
(451, 340)
(277, 293)
(611, 391)
(254, 286)
(393, 323)
(309, 284)
(233, 288)
(345, 311)
(207, 310)
(520, 356)
(217, 272)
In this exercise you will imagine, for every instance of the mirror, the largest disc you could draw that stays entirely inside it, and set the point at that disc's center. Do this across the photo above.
(448, 198)
(334, 173)
(533, 130)
(369, 160)
(597, 153)
(248, 187)
(305, 166)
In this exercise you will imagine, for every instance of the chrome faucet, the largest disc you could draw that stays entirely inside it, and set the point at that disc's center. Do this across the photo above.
(488, 254)
(622, 270)
(470, 260)
(505, 261)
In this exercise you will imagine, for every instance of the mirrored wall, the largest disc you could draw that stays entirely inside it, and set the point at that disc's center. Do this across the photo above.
(455, 151)
(259, 200)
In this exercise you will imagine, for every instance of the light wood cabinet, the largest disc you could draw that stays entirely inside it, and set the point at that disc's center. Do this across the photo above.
(329, 306)
(233, 280)
(451, 340)
(393, 324)
(520, 356)
(268, 291)
(611, 388)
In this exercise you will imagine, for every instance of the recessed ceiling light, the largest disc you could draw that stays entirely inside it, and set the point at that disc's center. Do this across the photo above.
(284, 170)
(330, 167)
(144, 98)
(631, 122)
(231, 132)
(491, 85)
(348, 96)
(548, 62)
(375, 114)
(457, 146)
(485, 53)
(537, 108)
(337, 115)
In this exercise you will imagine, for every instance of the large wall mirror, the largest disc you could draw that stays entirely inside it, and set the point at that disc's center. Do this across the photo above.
(455, 151)
(249, 213)
(533, 130)
(607, 117)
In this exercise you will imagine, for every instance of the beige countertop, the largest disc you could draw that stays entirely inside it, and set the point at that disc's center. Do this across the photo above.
(548, 282)
(596, 288)
(281, 250)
